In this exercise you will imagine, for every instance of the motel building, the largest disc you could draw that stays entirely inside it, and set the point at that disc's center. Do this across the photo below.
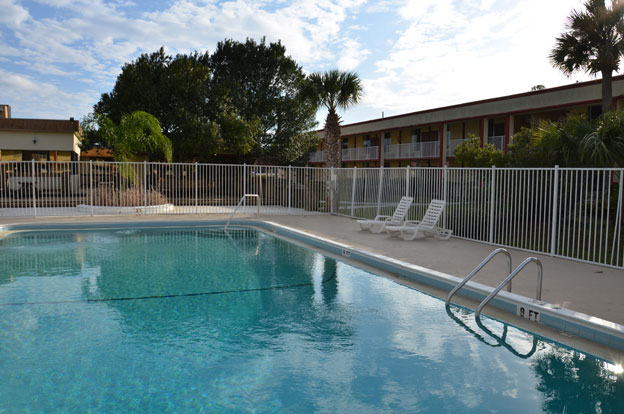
(38, 139)
(430, 137)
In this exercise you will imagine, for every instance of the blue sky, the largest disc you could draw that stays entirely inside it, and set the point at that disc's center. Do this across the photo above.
(58, 56)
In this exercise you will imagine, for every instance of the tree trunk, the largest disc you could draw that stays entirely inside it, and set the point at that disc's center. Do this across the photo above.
(333, 149)
(607, 93)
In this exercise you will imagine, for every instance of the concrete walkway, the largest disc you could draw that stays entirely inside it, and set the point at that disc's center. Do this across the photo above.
(586, 288)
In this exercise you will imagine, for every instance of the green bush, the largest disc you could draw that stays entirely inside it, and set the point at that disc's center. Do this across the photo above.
(470, 154)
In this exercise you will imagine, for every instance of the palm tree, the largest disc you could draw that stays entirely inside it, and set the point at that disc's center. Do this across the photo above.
(333, 90)
(594, 42)
(604, 146)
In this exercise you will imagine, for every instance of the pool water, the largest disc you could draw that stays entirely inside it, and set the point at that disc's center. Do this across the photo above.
(198, 320)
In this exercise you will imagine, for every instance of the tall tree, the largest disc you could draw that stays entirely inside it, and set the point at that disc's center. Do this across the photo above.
(263, 84)
(594, 42)
(176, 91)
(334, 90)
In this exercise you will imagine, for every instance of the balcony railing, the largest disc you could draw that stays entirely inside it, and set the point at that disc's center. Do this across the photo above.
(318, 156)
(452, 146)
(364, 153)
(429, 149)
(498, 142)
(417, 150)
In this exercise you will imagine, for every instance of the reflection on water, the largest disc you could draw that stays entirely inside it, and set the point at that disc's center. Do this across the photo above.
(264, 326)
(572, 382)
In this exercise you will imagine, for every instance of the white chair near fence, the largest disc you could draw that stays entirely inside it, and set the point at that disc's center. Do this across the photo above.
(379, 223)
(428, 226)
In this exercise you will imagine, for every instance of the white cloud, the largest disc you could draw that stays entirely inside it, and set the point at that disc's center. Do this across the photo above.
(438, 52)
(351, 55)
(12, 14)
(444, 56)
(31, 98)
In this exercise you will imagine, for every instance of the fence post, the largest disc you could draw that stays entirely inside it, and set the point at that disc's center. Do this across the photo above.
(289, 188)
(618, 230)
(91, 185)
(331, 190)
(196, 191)
(407, 173)
(444, 194)
(492, 195)
(33, 186)
(381, 177)
(144, 187)
(245, 184)
(353, 191)
(553, 233)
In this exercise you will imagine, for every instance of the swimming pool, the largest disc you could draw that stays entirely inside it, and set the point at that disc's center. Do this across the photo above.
(197, 320)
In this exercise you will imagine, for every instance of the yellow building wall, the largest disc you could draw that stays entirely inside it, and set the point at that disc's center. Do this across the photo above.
(61, 156)
(406, 135)
(455, 130)
(394, 136)
(473, 127)
(579, 110)
(10, 155)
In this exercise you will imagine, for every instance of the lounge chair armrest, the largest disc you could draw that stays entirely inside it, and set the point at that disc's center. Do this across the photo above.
(381, 216)
(412, 221)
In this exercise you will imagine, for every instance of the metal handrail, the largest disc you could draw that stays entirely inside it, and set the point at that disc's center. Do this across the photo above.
(478, 268)
(239, 204)
(508, 279)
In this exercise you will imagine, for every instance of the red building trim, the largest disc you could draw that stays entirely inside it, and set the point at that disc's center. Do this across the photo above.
(482, 131)
(507, 131)
(489, 115)
(442, 143)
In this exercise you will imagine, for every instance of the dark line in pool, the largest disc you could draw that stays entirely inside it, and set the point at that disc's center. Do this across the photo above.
(217, 292)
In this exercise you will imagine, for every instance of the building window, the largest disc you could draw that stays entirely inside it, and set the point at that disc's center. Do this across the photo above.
(429, 136)
(594, 112)
(387, 139)
(496, 129)
(367, 141)
(415, 136)
(345, 143)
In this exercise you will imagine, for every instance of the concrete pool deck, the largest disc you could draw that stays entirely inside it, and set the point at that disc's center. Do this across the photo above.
(582, 287)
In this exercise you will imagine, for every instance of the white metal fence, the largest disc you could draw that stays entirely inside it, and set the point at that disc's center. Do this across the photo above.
(90, 188)
(572, 213)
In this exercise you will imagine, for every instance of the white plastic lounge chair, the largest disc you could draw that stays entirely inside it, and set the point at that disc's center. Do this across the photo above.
(412, 229)
(380, 222)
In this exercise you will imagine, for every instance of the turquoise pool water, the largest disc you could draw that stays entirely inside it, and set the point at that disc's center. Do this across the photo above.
(195, 320)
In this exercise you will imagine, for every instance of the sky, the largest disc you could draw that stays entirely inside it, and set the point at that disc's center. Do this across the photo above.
(58, 56)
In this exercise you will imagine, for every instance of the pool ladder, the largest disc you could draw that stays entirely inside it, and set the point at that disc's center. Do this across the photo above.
(506, 282)
(243, 198)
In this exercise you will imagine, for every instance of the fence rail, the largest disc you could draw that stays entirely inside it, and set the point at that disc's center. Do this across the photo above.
(566, 212)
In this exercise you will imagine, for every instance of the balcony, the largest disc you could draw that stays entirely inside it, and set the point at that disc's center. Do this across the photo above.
(429, 149)
(360, 154)
(317, 156)
(498, 142)
(452, 146)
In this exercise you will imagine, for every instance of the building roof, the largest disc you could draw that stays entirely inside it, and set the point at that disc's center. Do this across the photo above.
(39, 125)
(516, 103)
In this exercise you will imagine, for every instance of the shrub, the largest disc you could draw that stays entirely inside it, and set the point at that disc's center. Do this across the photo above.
(471, 154)
(129, 197)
